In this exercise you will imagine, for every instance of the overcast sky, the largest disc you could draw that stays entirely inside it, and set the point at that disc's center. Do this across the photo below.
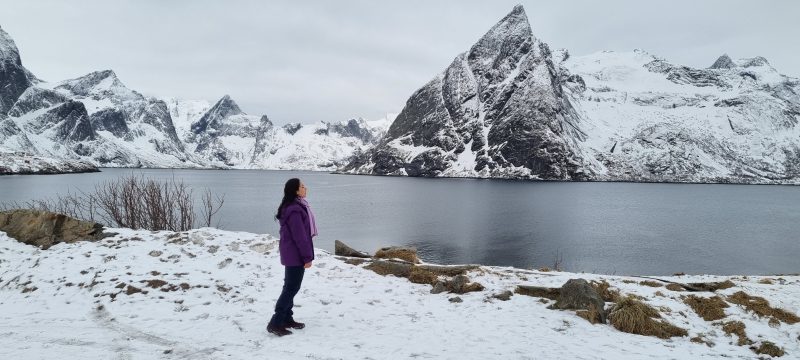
(332, 60)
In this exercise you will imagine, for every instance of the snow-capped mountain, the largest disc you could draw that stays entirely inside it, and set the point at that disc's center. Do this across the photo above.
(511, 108)
(97, 119)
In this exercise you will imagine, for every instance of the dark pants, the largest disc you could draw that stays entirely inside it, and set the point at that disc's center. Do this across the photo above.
(291, 285)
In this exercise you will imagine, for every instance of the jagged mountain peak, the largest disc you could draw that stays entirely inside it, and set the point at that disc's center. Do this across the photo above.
(723, 62)
(753, 62)
(103, 83)
(223, 109)
(8, 49)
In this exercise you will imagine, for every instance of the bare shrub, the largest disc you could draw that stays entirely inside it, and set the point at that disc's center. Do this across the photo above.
(134, 202)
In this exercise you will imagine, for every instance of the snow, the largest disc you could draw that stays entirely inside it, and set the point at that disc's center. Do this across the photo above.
(79, 308)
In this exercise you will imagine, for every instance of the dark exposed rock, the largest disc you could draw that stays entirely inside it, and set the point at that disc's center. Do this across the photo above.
(14, 78)
(224, 108)
(577, 294)
(35, 98)
(45, 229)
(110, 119)
(292, 128)
(341, 249)
(724, 62)
(68, 121)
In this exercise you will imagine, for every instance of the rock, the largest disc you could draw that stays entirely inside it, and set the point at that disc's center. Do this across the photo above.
(455, 299)
(398, 252)
(385, 267)
(341, 249)
(503, 296)
(577, 294)
(438, 288)
(45, 229)
(460, 285)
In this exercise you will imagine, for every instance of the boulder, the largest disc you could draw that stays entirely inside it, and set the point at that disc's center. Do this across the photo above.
(460, 285)
(385, 267)
(341, 249)
(45, 229)
(577, 294)
(398, 252)
(503, 296)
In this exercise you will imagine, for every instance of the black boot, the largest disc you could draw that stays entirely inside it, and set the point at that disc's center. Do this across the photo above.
(294, 324)
(278, 330)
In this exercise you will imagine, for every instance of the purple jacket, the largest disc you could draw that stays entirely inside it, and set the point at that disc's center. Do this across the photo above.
(296, 246)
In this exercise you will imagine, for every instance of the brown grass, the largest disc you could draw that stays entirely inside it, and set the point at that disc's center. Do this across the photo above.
(536, 291)
(604, 289)
(727, 284)
(674, 287)
(420, 276)
(700, 339)
(626, 281)
(406, 254)
(769, 348)
(155, 283)
(635, 317)
(709, 309)
(736, 328)
(765, 281)
(761, 307)
(651, 283)
(545, 269)
(591, 315)
(659, 293)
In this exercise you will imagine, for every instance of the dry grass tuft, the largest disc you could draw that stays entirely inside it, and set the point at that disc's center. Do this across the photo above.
(626, 281)
(635, 317)
(674, 287)
(709, 309)
(700, 339)
(604, 289)
(420, 276)
(659, 293)
(765, 281)
(736, 328)
(769, 348)
(545, 269)
(727, 284)
(591, 315)
(537, 291)
(651, 283)
(761, 307)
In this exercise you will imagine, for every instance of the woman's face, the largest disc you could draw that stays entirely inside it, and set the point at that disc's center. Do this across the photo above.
(301, 192)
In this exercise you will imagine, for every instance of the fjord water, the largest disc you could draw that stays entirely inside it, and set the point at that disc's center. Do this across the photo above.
(611, 228)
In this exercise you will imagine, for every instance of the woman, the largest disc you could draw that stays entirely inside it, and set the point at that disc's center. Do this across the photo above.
(297, 251)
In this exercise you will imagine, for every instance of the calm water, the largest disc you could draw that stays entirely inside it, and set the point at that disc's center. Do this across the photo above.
(621, 228)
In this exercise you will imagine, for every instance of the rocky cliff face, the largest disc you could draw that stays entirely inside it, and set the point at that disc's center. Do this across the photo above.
(13, 76)
(500, 109)
(511, 108)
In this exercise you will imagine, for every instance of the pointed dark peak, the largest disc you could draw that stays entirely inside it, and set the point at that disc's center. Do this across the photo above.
(265, 122)
(723, 62)
(226, 107)
(8, 49)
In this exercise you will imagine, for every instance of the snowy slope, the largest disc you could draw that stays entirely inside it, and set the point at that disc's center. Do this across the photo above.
(208, 294)
(24, 163)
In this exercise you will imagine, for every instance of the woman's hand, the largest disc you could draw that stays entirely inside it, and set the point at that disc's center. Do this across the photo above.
(307, 265)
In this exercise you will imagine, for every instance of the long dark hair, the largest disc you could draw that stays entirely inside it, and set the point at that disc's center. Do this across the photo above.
(289, 194)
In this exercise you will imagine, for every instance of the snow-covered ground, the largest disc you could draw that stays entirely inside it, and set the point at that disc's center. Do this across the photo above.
(211, 293)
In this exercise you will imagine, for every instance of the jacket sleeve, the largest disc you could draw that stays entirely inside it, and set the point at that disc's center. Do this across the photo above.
(301, 236)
